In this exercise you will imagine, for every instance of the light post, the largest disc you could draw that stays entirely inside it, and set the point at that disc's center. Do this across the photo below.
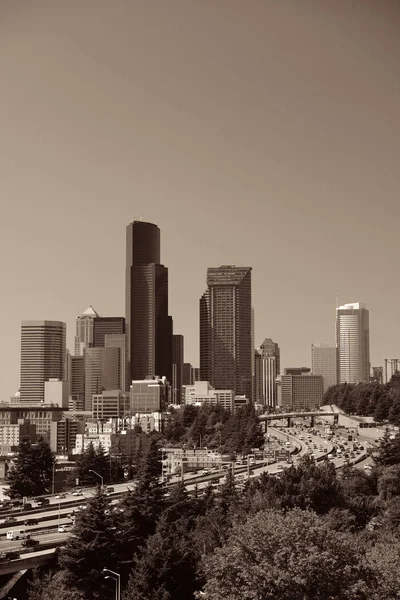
(52, 479)
(117, 578)
(98, 475)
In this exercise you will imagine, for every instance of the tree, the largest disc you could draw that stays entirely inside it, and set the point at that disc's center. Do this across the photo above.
(292, 556)
(93, 546)
(140, 509)
(33, 470)
(389, 450)
(91, 460)
(389, 482)
(51, 585)
(166, 569)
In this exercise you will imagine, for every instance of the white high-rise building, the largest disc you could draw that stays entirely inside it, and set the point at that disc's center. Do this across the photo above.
(323, 362)
(352, 343)
(390, 367)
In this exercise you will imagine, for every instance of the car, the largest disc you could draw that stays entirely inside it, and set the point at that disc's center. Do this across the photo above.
(60, 496)
(77, 493)
(31, 522)
(30, 543)
(11, 556)
(9, 520)
(367, 467)
(63, 529)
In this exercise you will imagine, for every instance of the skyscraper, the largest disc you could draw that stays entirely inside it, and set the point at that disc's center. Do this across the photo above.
(177, 368)
(267, 369)
(226, 330)
(103, 326)
(352, 343)
(102, 372)
(43, 357)
(148, 325)
(84, 330)
(323, 362)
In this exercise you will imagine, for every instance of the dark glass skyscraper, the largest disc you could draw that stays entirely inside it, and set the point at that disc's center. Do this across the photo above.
(147, 323)
(226, 330)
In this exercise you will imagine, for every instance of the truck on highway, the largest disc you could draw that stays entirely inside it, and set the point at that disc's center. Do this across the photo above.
(17, 534)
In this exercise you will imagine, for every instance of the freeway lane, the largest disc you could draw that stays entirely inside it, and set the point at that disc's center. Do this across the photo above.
(7, 545)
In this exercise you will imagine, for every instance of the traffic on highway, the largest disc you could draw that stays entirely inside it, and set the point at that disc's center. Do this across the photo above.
(34, 527)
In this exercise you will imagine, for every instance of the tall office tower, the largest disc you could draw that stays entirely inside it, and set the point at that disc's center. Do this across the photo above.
(43, 357)
(390, 367)
(118, 340)
(267, 369)
(84, 330)
(103, 326)
(253, 357)
(352, 343)
(177, 368)
(148, 325)
(102, 372)
(77, 383)
(225, 330)
(323, 362)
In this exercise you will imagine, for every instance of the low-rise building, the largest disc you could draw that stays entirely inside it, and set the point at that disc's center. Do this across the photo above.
(11, 434)
(301, 390)
(201, 392)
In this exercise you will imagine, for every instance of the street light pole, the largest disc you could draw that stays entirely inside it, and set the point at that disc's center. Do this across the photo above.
(117, 578)
(98, 475)
(52, 479)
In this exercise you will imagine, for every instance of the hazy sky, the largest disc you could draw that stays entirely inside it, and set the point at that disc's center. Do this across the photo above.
(253, 132)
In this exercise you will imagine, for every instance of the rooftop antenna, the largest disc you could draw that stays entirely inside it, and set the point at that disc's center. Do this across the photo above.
(337, 301)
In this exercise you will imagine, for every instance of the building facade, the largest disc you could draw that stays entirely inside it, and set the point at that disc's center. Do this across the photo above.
(56, 393)
(102, 372)
(148, 324)
(177, 368)
(352, 343)
(266, 371)
(118, 340)
(84, 330)
(103, 326)
(201, 392)
(226, 330)
(390, 367)
(323, 362)
(301, 392)
(43, 357)
(149, 396)
(111, 404)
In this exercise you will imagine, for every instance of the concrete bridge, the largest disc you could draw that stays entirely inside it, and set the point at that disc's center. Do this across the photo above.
(268, 417)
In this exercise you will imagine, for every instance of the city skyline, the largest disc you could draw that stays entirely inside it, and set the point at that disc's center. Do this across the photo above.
(276, 148)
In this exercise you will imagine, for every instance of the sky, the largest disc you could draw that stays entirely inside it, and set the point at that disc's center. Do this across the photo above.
(253, 132)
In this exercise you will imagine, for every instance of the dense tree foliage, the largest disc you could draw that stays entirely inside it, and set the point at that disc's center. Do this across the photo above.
(310, 533)
(381, 401)
(32, 472)
(215, 427)
(95, 460)
(93, 546)
(292, 556)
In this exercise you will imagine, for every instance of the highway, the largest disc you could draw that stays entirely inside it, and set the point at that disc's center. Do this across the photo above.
(60, 509)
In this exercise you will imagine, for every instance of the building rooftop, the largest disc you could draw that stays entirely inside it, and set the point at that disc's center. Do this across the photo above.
(90, 312)
(355, 305)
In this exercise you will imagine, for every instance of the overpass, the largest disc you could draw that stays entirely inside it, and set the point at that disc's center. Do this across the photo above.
(29, 561)
(268, 417)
